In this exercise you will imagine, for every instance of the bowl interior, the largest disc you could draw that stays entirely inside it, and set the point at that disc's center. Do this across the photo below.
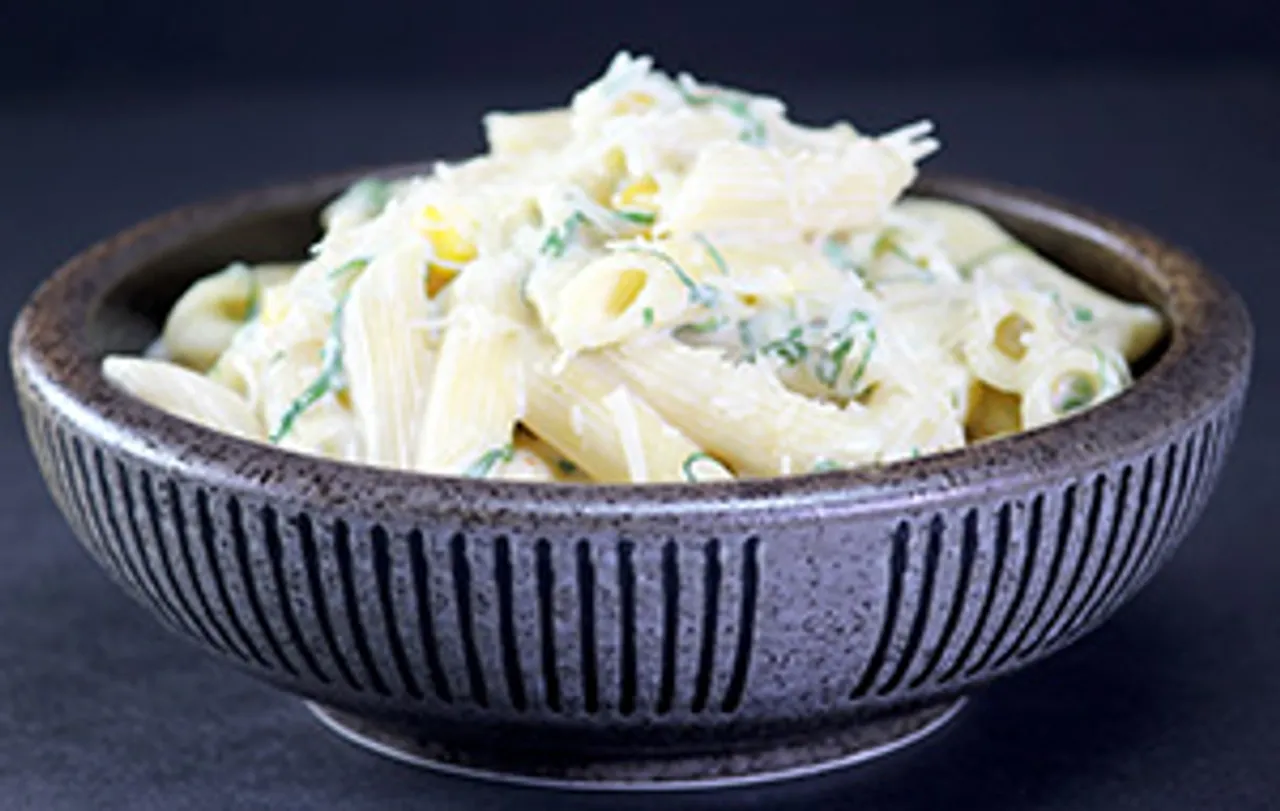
(114, 298)
(132, 312)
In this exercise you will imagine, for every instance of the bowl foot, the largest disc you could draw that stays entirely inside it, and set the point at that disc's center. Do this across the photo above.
(647, 771)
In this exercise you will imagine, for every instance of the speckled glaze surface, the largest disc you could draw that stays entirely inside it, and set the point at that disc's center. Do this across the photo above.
(625, 636)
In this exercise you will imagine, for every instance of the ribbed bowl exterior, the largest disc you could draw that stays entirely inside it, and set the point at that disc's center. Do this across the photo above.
(451, 621)
(624, 617)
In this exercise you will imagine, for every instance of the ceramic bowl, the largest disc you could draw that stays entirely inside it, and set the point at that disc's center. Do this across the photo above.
(625, 636)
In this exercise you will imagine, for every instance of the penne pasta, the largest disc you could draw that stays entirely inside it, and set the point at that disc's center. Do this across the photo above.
(742, 413)
(478, 389)
(1002, 343)
(184, 393)
(587, 413)
(1071, 378)
(643, 285)
(734, 186)
(993, 413)
(977, 243)
(387, 361)
(205, 320)
(525, 464)
(660, 281)
(522, 133)
(561, 467)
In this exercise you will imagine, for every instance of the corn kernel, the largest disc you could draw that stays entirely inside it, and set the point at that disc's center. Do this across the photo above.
(445, 240)
(634, 102)
(438, 278)
(637, 195)
(448, 246)
(274, 306)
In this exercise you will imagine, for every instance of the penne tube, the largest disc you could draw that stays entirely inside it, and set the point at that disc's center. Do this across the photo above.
(586, 412)
(742, 413)
(1069, 379)
(522, 133)
(737, 187)
(184, 393)
(204, 321)
(478, 388)
(387, 360)
(562, 468)
(978, 243)
(645, 286)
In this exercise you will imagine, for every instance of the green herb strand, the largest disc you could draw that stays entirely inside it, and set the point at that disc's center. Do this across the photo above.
(699, 294)
(637, 217)
(753, 130)
(348, 268)
(1077, 392)
(865, 361)
(790, 348)
(837, 255)
(254, 303)
(686, 467)
(1107, 376)
(559, 239)
(488, 460)
(712, 324)
(1075, 314)
(900, 252)
(715, 255)
(747, 339)
(376, 193)
(830, 367)
(329, 379)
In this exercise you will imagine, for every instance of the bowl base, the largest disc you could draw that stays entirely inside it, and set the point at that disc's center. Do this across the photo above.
(647, 771)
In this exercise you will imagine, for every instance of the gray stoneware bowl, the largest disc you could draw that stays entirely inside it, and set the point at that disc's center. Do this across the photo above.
(623, 636)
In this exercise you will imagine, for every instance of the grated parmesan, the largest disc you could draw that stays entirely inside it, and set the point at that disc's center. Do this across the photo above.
(620, 405)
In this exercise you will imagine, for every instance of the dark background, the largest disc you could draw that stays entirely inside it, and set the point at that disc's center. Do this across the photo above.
(1164, 113)
(182, 44)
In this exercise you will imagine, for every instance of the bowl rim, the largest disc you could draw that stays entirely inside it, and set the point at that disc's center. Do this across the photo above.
(1206, 360)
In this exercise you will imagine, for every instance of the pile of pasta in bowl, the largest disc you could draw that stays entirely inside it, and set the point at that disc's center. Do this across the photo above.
(663, 281)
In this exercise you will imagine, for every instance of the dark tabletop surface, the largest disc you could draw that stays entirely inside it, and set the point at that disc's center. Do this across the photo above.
(1173, 704)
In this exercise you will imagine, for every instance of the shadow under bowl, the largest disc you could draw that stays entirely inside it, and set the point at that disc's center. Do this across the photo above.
(625, 636)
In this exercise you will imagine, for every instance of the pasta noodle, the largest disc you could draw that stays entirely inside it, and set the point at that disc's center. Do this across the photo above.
(478, 389)
(183, 392)
(661, 281)
(206, 319)
(732, 187)
(976, 242)
(743, 414)
(388, 362)
(1070, 378)
(587, 413)
(665, 283)
(522, 133)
